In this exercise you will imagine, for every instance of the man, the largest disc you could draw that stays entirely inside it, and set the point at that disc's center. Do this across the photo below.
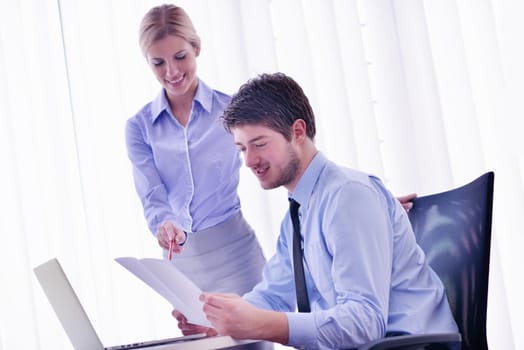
(365, 274)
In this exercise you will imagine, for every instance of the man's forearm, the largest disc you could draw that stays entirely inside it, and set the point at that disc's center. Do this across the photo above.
(273, 327)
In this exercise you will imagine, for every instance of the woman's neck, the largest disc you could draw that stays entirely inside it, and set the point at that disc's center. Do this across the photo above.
(181, 106)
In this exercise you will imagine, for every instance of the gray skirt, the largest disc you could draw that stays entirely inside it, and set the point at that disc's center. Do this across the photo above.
(223, 258)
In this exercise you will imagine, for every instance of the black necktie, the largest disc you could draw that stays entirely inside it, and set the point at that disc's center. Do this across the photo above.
(300, 281)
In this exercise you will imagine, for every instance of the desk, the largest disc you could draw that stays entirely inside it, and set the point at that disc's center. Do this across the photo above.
(217, 342)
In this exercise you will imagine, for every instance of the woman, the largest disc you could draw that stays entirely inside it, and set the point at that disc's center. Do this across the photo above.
(186, 166)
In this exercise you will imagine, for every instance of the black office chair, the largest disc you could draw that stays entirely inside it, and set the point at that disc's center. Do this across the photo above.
(454, 230)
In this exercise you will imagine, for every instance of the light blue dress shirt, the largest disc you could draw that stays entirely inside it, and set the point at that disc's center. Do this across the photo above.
(365, 274)
(188, 175)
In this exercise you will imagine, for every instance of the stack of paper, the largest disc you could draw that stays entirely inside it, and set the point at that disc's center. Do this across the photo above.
(169, 282)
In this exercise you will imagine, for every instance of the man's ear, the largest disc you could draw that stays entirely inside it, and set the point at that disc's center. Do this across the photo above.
(299, 130)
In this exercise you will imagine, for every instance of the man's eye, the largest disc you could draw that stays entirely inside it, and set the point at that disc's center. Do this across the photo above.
(260, 145)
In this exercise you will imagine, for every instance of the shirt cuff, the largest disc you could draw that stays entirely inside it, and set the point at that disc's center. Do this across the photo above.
(185, 240)
(302, 330)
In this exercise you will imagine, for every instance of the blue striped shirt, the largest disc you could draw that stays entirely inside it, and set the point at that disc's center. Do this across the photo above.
(188, 175)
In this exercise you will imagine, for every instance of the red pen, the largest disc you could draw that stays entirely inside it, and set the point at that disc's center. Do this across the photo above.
(171, 246)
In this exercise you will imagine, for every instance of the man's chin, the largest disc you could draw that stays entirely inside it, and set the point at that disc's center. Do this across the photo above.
(267, 186)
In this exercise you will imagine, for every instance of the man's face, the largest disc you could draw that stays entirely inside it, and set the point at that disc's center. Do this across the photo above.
(269, 155)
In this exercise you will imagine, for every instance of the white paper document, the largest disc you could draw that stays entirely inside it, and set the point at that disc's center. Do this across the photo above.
(169, 282)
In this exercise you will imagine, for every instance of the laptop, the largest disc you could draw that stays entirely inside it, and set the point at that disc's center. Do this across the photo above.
(73, 317)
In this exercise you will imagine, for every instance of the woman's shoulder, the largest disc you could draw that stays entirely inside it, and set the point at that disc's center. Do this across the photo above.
(222, 96)
(144, 114)
(149, 110)
(216, 93)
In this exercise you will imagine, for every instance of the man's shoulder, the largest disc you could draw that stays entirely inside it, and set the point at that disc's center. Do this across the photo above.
(334, 173)
(336, 180)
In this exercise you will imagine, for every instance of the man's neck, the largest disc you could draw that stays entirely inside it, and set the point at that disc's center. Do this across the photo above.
(306, 154)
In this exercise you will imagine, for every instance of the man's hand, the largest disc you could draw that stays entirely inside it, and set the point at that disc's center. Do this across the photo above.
(407, 201)
(189, 328)
(168, 232)
(231, 315)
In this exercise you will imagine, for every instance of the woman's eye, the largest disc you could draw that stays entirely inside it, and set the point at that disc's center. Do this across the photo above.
(158, 63)
(180, 57)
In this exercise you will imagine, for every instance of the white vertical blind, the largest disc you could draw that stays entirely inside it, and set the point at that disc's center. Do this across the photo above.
(423, 99)
(426, 94)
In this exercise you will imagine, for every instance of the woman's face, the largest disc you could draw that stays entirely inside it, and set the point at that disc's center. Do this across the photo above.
(173, 61)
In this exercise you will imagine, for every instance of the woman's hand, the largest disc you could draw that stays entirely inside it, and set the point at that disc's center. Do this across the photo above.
(167, 233)
(407, 201)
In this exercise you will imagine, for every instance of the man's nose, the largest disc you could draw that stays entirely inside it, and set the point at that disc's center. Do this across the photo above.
(251, 158)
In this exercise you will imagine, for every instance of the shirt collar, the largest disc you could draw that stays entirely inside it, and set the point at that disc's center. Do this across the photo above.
(307, 181)
(203, 95)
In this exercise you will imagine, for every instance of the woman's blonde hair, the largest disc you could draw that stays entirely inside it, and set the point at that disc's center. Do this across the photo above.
(164, 20)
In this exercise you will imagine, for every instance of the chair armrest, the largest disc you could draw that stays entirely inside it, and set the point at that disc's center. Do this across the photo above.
(411, 341)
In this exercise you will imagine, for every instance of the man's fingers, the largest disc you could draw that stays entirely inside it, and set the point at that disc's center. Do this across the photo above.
(178, 316)
(211, 332)
(205, 295)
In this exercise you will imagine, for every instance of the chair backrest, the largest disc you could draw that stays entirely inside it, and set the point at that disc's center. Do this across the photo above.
(454, 230)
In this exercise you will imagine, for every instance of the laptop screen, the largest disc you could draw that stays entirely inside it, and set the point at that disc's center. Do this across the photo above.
(67, 306)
